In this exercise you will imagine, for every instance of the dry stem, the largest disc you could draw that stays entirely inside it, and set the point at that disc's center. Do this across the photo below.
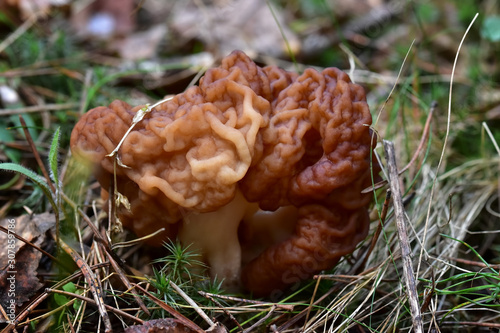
(401, 221)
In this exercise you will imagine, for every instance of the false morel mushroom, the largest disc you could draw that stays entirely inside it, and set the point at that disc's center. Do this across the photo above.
(259, 168)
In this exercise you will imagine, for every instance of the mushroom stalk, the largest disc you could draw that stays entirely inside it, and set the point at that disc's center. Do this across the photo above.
(215, 236)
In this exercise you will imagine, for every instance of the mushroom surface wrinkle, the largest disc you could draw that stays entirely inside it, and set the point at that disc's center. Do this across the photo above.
(251, 149)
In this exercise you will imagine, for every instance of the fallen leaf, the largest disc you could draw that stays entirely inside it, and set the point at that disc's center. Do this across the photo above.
(19, 282)
(25, 226)
(19, 261)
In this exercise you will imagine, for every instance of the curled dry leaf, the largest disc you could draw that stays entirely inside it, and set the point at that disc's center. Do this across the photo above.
(30, 228)
(19, 261)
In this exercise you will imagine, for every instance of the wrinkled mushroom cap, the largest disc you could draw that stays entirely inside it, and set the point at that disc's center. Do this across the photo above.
(317, 140)
(281, 139)
(193, 149)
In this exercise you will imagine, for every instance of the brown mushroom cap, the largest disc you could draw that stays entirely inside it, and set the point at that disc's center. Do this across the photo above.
(192, 149)
(322, 236)
(280, 139)
(317, 140)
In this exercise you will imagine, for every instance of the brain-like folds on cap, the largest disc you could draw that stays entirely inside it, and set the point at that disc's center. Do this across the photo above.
(281, 139)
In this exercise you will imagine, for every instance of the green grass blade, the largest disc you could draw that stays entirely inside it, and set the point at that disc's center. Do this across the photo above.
(474, 251)
(53, 154)
(290, 52)
(10, 183)
(37, 179)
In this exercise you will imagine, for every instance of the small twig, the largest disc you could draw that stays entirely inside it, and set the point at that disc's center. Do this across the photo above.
(136, 240)
(44, 315)
(31, 307)
(193, 304)
(8, 204)
(471, 323)
(86, 85)
(443, 150)
(301, 314)
(492, 138)
(428, 299)
(92, 281)
(401, 221)
(26, 72)
(473, 263)
(261, 320)
(91, 225)
(79, 273)
(22, 239)
(184, 321)
(113, 222)
(91, 301)
(381, 221)
(12, 325)
(5, 315)
(44, 171)
(37, 108)
(68, 319)
(423, 140)
(287, 307)
(350, 278)
(137, 118)
(126, 282)
(309, 308)
(223, 308)
(19, 31)
(36, 154)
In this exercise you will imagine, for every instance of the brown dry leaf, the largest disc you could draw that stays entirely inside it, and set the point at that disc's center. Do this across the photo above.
(20, 283)
(246, 25)
(27, 227)
(18, 261)
(167, 325)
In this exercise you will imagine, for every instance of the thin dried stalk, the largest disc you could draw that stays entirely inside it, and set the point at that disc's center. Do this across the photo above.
(401, 222)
